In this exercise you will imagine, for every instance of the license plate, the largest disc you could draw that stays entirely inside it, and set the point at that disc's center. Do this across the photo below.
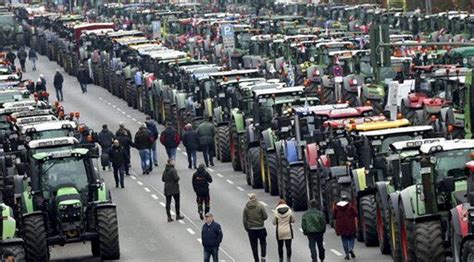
(338, 79)
(329, 151)
(377, 142)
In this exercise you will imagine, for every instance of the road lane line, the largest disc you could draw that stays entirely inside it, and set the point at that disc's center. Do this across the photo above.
(190, 231)
(179, 149)
(147, 189)
(108, 103)
(240, 189)
(301, 230)
(182, 222)
(263, 203)
(123, 113)
(128, 116)
(210, 169)
(139, 122)
(140, 183)
(184, 153)
(100, 98)
(133, 177)
(172, 212)
(199, 240)
(134, 119)
(230, 181)
(114, 106)
(337, 253)
(162, 204)
(219, 175)
(154, 196)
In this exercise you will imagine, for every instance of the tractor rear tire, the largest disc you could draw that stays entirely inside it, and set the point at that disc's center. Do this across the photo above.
(298, 193)
(107, 228)
(273, 173)
(429, 242)
(283, 178)
(395, 241)
(407, 228)
(236, 163)
(369, 220)
(377, 106)
(34, 237)
(383, 227)
(468, 251)
(254, 166)
(17, 250)
(223, 134)
(328, 96)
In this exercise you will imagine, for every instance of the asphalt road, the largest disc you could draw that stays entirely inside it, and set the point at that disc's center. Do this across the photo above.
(145, 234)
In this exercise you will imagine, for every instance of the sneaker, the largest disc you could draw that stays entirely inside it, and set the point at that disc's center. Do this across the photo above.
(347, 257)
(103, 168)
(201, 216)
(189, 166)
(195, 167)
(170, 219)
(144, 173)
(179, 217)
(156, 164)
(116, 186)
(123, 186)
(212, 164)
(352, 254)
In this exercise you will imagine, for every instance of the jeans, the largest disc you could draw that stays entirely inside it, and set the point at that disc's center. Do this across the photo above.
(154, 155)
(313, 240)
(287, 244)
(22, 64)
(118, 176)
(83, 87)
(208, 252)
(348, 243)
(59, 94)
(208, 153)
(256, 235)
(203, 200)
(171, 152)
(191, 158)
(126, 162)
(176, 204)
(145, 159)
(33, 63)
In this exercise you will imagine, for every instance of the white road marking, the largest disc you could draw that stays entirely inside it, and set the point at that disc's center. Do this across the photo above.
(240, 189)
(172, 212)
(263, 203)
(100, 98)
(199, 240)
(230, 181)
(128, 116)
(134, 119)
(190, 231)
(210, 169)
(139, 122)
(184, 153)
(133, 177)
(179, 149)
(147, 189)
(162, 204)
(108, 103)
(301, 230)
(337, 253)
(182, 222)
(154, 196)
(219, 175)
(114, 106)
(123, 113)
(140, 183)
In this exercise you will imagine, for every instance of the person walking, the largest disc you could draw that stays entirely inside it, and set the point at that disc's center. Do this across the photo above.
(11, 57)
(83, 78)
(117, 156)
(33, 57)
(40, 85)
(171, 179)
(211, 236)
(313, 224)
(254, 217)
(283, 219)
(58, 85)
(143, 145)
(170, 139)
(151, 126)
(124, 137)
(201, 180)
(206, 133)
(105, 139)
(22, 55)
(344, 216)
(190, 142)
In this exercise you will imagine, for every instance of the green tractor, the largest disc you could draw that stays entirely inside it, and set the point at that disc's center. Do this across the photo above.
(11, 32)
(67, 202)
(424, 210)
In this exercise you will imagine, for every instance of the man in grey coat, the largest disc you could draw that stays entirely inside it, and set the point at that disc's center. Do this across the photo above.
(171, 180)
(206, 134)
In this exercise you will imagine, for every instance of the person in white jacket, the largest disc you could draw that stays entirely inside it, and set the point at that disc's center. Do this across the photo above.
(283, 219)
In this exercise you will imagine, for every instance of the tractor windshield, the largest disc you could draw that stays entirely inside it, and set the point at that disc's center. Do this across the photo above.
(392, 139)
(51, 134)
(452, 163)
(57, 172)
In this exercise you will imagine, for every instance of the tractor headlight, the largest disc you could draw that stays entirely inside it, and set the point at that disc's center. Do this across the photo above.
(471, 214)
(62, 207)
(77, 205)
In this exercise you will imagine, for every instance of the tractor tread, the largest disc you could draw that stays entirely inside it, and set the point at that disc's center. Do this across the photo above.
(298, 193)
(429, 242)
(369, 213)
(34, 237)
(107, 227)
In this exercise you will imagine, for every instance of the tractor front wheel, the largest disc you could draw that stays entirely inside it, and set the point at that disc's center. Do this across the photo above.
(429, 242)
(395, 238)
(468, 251)
(34, 237)
(369, 220)
(17, 251)
(107, 228)
(223, 133)
(298, 194)
(254, 167)
(272, 163)
(383, 227)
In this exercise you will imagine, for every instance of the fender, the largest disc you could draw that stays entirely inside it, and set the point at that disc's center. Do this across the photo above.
(406, 196)
(252, 137)
(27, 203)
(268, 140)
(217, 115)
(9, 222)
(373, 92)
(383, 191)
(312, 156)
(102, 195)
(459, 220)
(238, 119)
(291, 152)
(359, 179)
(394, 199)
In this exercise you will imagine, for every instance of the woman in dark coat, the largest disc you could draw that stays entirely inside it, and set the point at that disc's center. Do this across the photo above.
(201, 181)
(344, 216)
(171, 180)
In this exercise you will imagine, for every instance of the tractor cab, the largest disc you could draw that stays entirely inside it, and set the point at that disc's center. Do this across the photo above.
(48, 145)
(47, 130)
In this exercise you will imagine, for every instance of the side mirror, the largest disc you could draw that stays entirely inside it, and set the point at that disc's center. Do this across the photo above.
(447, 184)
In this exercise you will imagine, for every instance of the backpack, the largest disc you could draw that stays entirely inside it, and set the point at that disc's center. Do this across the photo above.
(319, 222)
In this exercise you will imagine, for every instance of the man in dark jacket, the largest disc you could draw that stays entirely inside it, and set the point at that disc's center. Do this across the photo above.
(22, 55)
(124, 137)
(117, 156)
(143, 145)
(206, 138)
(11, 57)
(151, 126)
(170, 139)
(171, 180)
(344, 215)
(39, 85)
(190, 141)
(201, 180)
(313, 224)
(254, 217)
(211, 235)
(83, 78)
(105, 139)
(33, 57)
(58, 85)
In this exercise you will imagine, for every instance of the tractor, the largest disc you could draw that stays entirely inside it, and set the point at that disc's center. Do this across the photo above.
(66, 202)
